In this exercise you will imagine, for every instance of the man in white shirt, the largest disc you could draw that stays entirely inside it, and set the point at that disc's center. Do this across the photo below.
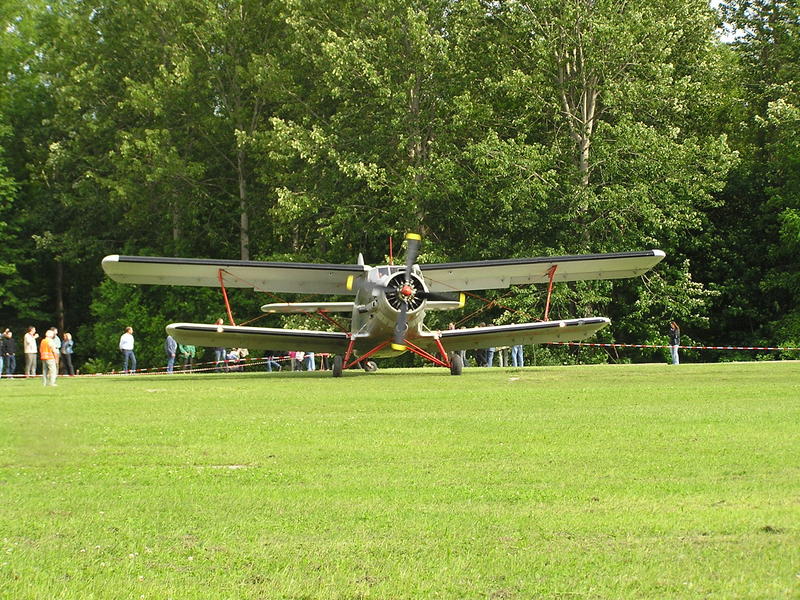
(29, 347)
(126, 347)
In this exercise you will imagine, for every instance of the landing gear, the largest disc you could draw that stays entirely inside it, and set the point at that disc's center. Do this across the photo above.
(336, 366)
(370, 366)
(456, 364)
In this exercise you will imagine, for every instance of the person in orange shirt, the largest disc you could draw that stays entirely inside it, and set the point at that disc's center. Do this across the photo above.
(48, 356)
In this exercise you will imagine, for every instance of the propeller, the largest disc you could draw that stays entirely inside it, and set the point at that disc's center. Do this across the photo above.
(407, 291)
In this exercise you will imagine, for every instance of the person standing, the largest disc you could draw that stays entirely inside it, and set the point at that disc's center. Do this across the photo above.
(516, 355)
(126, 343)
(29, 348)
(170, 349)
(67, 349)
(674, 341)
(462, 353)
(219, 353)
(2, 352)
(48, 356)
(55, 341)
(309, 363)
(9, 352)
(187, 352)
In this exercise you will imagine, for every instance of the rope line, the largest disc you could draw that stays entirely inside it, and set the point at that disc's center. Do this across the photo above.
(599, 345)
(248, 362)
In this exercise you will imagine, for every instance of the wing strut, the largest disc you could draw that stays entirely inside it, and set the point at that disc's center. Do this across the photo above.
(349, 353)
(443, 362)
(551, 273)
(225, 296)
(347, 363)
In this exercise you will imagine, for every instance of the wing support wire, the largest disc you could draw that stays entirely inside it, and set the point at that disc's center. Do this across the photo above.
(222, 272)
(225, 296)
(487, 303)
(550, 273)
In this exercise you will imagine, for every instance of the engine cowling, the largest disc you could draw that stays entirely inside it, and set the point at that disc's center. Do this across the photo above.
(397, 291)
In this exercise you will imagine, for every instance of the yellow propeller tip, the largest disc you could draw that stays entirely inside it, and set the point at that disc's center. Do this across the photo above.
(399, 347)
(349, 283)
(413, 236)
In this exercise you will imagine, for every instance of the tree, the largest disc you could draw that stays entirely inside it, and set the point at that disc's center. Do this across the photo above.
(756, 228)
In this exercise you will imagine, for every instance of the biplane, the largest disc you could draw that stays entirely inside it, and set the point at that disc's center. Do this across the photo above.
(389, 301)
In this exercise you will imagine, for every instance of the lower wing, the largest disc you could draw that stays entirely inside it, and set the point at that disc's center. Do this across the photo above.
(523, 333)
(230, 336)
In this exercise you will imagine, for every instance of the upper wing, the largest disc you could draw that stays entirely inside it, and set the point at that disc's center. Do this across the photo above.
(307, 278)
(523, 333)
(495, 274)
(229, 336)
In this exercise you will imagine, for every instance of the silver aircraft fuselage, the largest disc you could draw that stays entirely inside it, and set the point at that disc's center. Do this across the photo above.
(377, 304)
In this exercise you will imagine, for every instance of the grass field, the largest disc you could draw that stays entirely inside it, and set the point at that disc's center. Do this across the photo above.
(629, 481)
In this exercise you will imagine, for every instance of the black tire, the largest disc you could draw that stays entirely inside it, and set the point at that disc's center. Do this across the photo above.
(370, 366)
(456, 364)
(336, 366)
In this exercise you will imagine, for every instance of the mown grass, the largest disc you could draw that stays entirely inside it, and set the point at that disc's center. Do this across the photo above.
(631, 481)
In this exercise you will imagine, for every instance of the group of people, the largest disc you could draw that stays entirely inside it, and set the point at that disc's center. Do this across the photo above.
(54, 353)
(484, 357)
(224, 359)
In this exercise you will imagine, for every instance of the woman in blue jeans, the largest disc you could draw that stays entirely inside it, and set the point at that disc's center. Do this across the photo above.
(67, 350)
(516, 355)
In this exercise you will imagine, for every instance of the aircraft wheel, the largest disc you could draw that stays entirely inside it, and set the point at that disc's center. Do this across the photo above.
(336, 366)
(456, 364)
(370, 366)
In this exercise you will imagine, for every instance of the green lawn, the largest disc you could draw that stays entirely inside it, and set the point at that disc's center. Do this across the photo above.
(629, 481)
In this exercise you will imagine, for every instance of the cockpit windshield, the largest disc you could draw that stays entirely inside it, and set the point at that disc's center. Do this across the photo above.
(378, 273)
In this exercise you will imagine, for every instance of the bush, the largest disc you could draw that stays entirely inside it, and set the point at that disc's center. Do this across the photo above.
(94, 366)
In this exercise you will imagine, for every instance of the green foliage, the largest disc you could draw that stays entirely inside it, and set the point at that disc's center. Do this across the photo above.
(97, 366)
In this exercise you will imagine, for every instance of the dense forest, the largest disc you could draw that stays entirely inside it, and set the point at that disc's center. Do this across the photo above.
(312, 130)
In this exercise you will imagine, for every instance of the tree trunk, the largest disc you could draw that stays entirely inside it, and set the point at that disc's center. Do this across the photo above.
(60, 296)
(176, 222)
(244, 219)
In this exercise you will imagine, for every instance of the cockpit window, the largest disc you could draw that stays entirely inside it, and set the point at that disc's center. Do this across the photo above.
(379, 272)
